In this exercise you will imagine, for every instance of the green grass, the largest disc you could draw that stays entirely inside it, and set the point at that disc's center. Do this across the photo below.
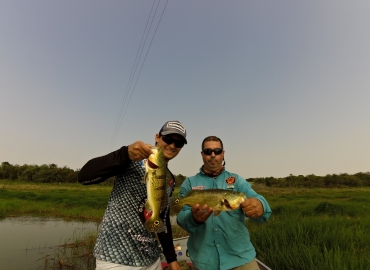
(68, 201)
(326, 229)
(315, 229)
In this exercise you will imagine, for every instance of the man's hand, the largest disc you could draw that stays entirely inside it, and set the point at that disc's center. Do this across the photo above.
(139, 151)
(201, 214)
(252, 207)
(174, 266)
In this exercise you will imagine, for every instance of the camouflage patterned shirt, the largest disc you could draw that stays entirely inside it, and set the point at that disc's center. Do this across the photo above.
(122, 237)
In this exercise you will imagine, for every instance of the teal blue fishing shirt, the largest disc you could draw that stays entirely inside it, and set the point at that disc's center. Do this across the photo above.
(222, 242)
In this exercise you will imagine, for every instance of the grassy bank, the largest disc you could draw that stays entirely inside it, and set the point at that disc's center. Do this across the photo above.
(68, 201)
(315, 229)
(309, 228)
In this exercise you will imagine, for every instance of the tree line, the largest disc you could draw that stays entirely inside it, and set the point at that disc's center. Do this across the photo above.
(46, 173)
(361, 179)
(51, 173)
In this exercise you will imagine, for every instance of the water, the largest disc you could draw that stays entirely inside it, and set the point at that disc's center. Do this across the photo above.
(25, 242)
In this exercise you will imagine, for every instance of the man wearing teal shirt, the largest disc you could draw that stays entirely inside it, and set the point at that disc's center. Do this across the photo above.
(220, 242)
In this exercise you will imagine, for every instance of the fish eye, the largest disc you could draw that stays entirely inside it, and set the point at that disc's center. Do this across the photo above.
(156, 222)
(177, 200)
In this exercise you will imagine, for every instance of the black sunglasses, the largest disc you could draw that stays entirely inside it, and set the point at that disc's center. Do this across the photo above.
(208, 151)
(170, 140)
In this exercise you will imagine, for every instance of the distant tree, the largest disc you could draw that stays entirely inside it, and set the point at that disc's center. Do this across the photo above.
(8, 171)
(364, 178)
(179, 179)
(29, 172)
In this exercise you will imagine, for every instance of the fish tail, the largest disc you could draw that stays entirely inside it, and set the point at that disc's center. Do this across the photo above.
(155, 224)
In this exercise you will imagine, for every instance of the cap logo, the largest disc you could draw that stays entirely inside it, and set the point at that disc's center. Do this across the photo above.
(176, 125)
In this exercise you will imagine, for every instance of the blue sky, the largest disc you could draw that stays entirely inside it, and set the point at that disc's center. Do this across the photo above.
(284, 84)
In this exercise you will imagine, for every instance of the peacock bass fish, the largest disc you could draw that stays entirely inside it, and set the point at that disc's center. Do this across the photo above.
(219, 199)
(156, 184)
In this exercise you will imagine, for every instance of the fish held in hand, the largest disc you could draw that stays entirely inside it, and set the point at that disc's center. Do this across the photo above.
(155, 179)
(219, 199)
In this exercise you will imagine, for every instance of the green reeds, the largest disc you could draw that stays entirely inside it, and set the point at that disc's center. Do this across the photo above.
(315, 229)
(75, 253)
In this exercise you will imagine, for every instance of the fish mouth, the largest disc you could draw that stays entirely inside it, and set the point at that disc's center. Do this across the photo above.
(232, 205)
(227, 204)
(152, 165)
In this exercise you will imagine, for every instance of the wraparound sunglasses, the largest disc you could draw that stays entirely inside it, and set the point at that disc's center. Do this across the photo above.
(170, 140)
(208, 151)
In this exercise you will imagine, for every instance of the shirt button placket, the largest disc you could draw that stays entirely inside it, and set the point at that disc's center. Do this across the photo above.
(216, 237)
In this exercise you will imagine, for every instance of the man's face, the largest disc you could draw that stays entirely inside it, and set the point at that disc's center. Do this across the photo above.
(169, 150)
(213, 162)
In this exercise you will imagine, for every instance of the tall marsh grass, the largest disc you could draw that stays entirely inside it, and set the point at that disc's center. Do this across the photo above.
(75, 253)
(315, 229)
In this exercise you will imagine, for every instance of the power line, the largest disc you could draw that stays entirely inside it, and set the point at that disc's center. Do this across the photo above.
(120, 114)
(125, 104)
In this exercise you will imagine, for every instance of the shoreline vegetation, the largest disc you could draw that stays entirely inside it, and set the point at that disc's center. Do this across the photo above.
(51, 173)
(311, 228)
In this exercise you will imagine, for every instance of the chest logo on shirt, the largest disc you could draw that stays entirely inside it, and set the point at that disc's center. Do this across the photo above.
(230, 180)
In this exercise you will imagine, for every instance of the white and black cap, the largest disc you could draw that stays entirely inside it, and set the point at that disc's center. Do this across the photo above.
(173, 127)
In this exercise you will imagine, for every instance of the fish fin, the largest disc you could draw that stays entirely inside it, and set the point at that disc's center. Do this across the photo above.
(191, 192)
(147, 206)
(161, 228)
(216, 212)
(145, 178)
